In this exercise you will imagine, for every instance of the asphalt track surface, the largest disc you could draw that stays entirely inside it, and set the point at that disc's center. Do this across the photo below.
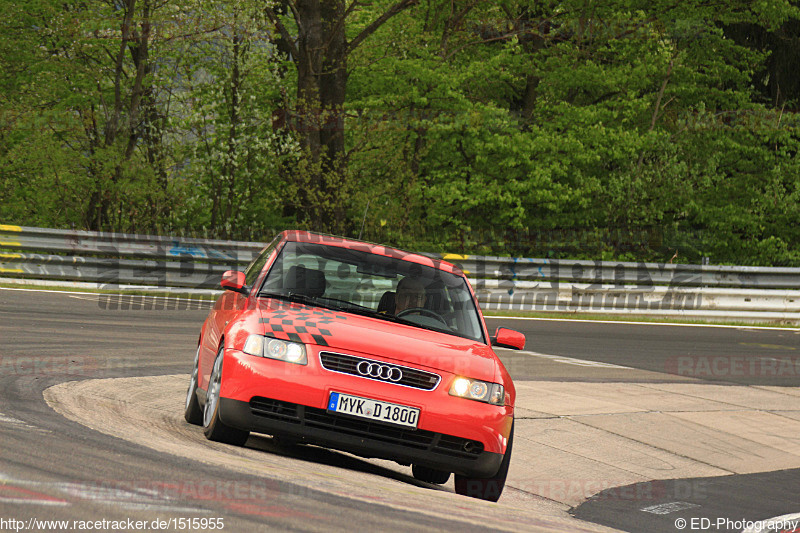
(53, 468)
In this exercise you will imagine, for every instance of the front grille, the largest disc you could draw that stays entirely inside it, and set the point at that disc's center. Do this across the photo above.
(417, 439)
(348, 364)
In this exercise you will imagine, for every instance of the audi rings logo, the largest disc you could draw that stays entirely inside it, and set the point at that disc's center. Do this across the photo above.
(377, 371)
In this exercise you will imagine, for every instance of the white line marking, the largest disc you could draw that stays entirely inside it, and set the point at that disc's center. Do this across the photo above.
(90, 297)
(667, 508)
(630, 322)
(96, 295)
(5, 419)
(575, 362)
(58, 503)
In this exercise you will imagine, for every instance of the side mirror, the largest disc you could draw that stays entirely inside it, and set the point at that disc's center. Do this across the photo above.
(508, 338)
(233, 280)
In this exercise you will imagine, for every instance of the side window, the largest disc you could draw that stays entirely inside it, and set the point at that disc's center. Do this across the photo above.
(254, 269)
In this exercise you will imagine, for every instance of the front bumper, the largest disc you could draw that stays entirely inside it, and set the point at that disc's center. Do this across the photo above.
(361, 437)
(283, 399)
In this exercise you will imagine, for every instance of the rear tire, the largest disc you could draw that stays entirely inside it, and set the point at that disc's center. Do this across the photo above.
(430, 475)
(491, 488)
(192, 411)
(213, 428)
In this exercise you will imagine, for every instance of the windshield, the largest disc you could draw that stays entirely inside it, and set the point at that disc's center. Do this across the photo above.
(383, 287)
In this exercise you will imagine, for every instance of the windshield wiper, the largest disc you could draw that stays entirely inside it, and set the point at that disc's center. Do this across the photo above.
(319, 301)
(294, 297)
(365, 311)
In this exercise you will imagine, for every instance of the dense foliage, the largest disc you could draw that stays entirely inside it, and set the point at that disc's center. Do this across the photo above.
(618, 129)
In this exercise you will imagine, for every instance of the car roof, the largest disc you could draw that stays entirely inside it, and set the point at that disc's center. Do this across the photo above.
(379, 249)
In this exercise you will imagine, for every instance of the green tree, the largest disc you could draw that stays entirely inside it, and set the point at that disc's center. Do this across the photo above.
(230, 85)
(320, 37)
(84, 97)
(582, 119)
(623, 129)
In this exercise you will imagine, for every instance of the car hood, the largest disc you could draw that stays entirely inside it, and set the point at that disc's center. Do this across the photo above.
(383, 339)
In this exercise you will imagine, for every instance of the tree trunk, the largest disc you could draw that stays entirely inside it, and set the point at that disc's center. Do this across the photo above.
(321, 91)
(320, 57)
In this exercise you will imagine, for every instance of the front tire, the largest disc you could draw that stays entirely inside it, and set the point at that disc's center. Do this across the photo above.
(192, 411)
(213, 428)
(491, 488)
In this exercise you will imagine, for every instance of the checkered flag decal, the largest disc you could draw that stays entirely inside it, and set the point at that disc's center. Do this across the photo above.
(305, 325)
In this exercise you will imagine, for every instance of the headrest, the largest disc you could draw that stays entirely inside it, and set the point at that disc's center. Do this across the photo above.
(387, 303)
(306, 281)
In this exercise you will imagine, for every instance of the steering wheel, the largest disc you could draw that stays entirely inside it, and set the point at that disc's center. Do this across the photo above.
(422, 311)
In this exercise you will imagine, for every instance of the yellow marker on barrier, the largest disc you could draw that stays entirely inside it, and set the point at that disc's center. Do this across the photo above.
(6, 227)
(11, 256)
(12, 270)
(9, 243)
(456, 257)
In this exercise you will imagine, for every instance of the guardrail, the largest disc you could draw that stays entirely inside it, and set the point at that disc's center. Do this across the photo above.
(621, 274)
(115, 260)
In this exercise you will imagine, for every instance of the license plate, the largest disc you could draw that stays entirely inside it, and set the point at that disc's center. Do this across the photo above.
(391, 413)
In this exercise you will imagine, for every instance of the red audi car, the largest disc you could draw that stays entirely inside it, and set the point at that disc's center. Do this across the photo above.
(362, 348)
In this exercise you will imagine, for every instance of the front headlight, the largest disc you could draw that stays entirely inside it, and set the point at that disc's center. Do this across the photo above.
(271, 348)
(477, 390)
